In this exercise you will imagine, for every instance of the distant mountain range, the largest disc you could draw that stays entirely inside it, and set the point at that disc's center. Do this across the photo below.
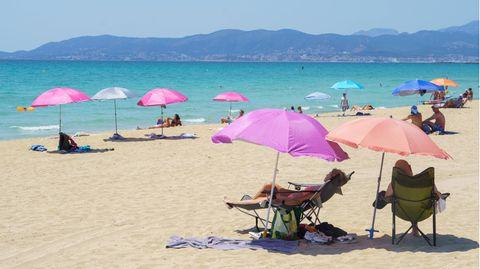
(453, 44)
(377, 32)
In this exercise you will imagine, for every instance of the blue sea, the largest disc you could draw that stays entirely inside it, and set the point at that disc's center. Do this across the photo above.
(272, 85)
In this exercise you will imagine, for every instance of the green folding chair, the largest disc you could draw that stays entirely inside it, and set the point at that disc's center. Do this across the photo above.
(413, 201)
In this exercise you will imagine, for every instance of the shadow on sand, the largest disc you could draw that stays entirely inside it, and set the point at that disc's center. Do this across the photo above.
(142, 139)
(82, 152)
(445, 243)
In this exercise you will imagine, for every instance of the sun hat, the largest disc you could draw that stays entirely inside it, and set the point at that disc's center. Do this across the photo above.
(414, 110)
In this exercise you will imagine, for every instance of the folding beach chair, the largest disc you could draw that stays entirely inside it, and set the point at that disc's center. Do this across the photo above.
(413, 201)
(310, 208)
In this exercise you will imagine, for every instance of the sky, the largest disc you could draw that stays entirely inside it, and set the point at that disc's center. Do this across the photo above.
(27, 24)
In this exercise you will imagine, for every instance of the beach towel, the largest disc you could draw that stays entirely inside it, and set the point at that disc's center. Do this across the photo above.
(40, 148)
(232, 244)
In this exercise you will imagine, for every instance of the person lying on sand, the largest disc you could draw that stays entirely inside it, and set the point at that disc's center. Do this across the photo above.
(385, 196)
(365, 107)
(229, 119)
(286, 196)
(436, 122)
(415, 117)
(458, 102)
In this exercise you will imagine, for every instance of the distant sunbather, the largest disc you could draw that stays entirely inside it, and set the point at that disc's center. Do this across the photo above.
(286, 196)
(169, 122)
(66, 142)
(436, 122)
(456, 102)
(229, 118)
(365, 107)
(415, 117)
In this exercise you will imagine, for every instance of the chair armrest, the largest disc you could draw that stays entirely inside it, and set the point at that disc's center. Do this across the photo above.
(299, 186)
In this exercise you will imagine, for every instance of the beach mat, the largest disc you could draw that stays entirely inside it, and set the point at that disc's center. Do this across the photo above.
(232, 244)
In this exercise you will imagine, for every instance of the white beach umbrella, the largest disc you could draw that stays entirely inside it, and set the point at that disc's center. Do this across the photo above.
(317, 96)
(114, 93)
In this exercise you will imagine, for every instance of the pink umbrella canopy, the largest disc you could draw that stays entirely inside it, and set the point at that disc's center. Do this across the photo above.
(386, 135)
(161, 97)
(60, 96)
(287, 132)
(230, 97)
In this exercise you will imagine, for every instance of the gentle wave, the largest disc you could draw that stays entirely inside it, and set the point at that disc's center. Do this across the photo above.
(305, 107)
(36, 128)
(235, 110)
(320, 107)
(336, 106)
(199, 120)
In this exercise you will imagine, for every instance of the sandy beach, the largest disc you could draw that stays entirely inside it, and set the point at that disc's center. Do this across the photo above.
(117, 209)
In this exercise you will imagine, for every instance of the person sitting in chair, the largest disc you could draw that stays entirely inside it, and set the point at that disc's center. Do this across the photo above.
(286, 196)
(384, 197)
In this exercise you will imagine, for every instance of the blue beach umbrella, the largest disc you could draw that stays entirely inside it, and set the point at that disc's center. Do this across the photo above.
(347, 84)
(416, 87)
(317, 96)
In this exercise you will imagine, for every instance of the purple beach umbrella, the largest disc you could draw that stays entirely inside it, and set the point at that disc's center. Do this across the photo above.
(284, 131)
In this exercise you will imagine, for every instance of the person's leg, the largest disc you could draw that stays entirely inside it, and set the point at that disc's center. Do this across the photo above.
(389, 191)
(265, 190)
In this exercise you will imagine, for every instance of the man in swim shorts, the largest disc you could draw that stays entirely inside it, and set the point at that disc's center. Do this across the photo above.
(436, 122)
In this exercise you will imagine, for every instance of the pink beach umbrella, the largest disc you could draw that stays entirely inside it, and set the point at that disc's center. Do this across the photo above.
(230, 97)
(284, 131)
(386, 135)
(60, 96)
(161, 97)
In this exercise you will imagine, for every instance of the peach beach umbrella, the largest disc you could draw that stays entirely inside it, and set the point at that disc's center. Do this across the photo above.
(60, 96)
(444, 82)
(230, 97)
(161, 97)
(386, 135)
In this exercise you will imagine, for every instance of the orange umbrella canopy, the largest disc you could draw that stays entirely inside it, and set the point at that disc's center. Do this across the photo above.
(444, 82)
(386, 135)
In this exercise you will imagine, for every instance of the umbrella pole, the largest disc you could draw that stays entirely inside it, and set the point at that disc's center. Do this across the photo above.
(60, 119)
(271, 195)
(372, 229)
(161, 115)
(230, 110)
(115, 105)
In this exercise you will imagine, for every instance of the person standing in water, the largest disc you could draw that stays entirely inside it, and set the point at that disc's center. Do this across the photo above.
(344, 103)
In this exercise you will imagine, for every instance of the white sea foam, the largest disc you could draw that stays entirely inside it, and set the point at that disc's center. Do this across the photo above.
(336, 106)
(305, 107)
(381, 107)
(320, 107)
(235, 110)
(36, 128)
(199, 120)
